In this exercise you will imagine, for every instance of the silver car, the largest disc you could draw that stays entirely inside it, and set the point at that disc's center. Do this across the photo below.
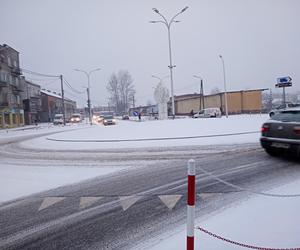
(281, 134)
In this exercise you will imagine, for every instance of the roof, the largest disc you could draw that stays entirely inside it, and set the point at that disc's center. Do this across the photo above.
(54, 94)
(5, 46)
(192, 96)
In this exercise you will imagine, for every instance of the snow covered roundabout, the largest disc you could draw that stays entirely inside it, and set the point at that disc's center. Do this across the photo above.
(261, 216)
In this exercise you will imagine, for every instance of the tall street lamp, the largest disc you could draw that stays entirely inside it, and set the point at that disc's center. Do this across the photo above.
(159, 78)
(225, 90)
(88, 90)
(171, 66)
(201, 90)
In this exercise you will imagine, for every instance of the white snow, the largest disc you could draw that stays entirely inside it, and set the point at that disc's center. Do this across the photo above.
(128, 130)
(260, 221)
(23, 180)
(18, 181)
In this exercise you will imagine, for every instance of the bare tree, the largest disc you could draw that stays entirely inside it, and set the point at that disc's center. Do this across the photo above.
(121, 90)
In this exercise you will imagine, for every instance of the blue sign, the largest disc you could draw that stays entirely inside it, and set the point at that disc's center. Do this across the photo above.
(135, 113)
(284, 82)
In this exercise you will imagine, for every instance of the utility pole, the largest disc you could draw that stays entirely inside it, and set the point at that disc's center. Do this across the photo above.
(63, 98)
(202, 93)
(133, 102)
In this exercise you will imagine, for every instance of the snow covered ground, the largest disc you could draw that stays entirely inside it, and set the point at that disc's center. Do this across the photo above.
(130, 134)
(261, 221)
(23, 180)
(18, 181)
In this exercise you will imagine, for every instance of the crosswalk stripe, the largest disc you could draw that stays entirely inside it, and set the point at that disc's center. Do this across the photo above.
(128, 201)
(49, 201)
(88, 201)
(170, 200)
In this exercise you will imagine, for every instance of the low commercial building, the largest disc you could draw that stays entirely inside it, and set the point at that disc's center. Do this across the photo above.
(31, 97)
(238, 102)
(52, 104)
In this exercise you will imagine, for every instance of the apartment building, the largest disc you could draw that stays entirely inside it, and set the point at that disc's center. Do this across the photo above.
(11, 106)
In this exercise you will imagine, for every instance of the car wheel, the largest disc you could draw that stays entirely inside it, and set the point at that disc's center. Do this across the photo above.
(271, 114)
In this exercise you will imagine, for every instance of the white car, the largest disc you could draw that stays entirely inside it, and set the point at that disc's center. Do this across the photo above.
(58, 119)
(76, 118)
(207, 113)
(283, 107)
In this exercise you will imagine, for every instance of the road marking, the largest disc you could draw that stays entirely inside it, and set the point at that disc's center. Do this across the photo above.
(127, 201)
(207, 195)
(88, 201)
(49, 201)
(170, 200)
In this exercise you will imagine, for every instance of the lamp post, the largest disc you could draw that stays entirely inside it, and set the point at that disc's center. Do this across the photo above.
(88, 90)
(225, 90)
(171, 66)
(159, 78)
(201, 91)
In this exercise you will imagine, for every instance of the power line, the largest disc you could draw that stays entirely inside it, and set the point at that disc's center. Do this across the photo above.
(38, 74)
(73, 89)
(43, 80)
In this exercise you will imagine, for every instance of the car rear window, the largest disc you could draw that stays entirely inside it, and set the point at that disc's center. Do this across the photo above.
(108, 117)
(287, 116)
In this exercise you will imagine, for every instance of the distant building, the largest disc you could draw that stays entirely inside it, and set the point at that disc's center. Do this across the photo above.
(52, 104)
(238, 102)
(149, 110)
(11, 106)
(31, 97)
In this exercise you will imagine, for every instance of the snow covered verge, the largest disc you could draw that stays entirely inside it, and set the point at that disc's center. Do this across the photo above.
(18, 181)
(269, 222)
(179, 132)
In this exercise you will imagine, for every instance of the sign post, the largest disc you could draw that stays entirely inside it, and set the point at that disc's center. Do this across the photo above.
(283, 82)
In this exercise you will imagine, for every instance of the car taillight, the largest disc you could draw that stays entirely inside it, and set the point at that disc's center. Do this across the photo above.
(265, 128)
(297, 130)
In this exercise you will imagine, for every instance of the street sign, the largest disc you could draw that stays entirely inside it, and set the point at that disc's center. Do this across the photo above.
(284, 82)
(135, 113)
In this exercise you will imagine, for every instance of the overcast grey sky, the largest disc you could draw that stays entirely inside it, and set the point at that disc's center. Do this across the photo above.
(259, 41)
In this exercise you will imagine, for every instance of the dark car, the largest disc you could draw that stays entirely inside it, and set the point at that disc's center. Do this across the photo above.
(108, 120)
(125, 117)
(281, 134)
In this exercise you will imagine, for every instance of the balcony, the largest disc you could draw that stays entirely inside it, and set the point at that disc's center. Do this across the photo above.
(16, 71)
(3, 84)
(16, 89)
(3, 104)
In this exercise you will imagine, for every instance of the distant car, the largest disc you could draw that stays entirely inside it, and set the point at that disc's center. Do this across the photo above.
(207, 113)
(97, 118)
(283, 107)
(76, 118)
(109, 120)
(58, 119)
(281, 133)
(125, 117)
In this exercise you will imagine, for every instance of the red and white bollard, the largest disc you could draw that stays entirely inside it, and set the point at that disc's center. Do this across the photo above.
(191, 199)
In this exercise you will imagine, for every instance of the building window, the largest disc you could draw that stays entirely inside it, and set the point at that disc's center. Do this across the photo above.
(8, 61)
(18, 99)
(15, 63)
